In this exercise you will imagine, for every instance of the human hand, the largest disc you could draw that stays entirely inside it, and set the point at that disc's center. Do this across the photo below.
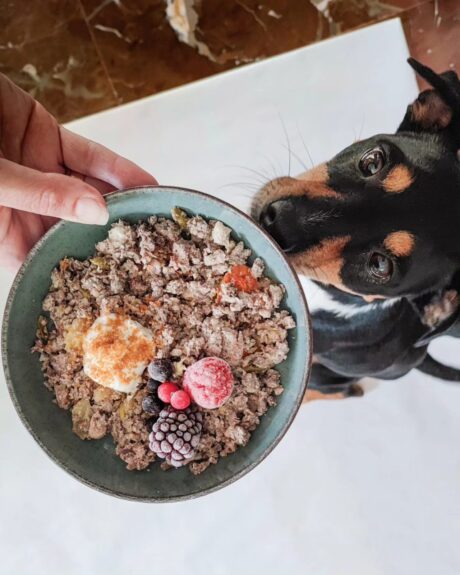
(48, 172)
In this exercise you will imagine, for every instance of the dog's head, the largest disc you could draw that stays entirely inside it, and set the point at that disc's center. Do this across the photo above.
(382, 218)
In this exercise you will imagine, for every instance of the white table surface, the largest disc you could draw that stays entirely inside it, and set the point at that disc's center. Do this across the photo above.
(358, 487)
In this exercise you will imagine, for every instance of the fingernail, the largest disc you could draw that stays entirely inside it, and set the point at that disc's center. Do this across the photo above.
(89, 211)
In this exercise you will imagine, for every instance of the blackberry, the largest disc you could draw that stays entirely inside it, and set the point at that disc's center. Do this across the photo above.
(152, 385)
(176, 434)
(151, 405)
(160, 369)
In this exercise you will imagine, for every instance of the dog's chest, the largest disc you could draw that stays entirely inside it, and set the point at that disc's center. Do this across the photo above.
(356, 338)
(320, 300)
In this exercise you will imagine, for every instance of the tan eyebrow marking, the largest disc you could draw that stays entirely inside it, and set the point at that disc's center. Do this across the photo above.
(398, 180)
(323, 262)
(400, 244)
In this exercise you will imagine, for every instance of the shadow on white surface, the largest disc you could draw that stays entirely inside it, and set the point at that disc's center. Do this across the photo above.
(360, 487)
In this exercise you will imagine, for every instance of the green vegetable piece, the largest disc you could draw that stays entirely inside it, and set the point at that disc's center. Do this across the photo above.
(180, 217)
(100, 263)
(42, 329)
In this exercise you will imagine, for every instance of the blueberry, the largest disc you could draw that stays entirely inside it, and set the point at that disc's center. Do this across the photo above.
(160, 370)
(151, 405)
(152, 385)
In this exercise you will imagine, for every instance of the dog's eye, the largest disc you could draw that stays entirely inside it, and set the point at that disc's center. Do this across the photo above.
(372, 162)
(380, 267)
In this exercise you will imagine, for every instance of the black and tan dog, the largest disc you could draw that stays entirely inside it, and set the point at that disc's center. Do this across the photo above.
(377, 229)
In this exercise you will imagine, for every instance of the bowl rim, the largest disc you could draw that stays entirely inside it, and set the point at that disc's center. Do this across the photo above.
(34, 252)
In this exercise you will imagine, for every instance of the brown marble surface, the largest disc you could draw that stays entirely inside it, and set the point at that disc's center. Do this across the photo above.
(46, 47)
(81, 56)
(433, 34)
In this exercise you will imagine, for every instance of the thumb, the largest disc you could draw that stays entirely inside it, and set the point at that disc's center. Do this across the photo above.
(49, 194)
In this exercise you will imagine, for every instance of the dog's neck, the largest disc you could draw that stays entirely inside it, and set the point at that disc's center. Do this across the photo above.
(327, 298)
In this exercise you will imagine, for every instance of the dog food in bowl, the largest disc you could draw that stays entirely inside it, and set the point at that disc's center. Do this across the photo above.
(167, 340)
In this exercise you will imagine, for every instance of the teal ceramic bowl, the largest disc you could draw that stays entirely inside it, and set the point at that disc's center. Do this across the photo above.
(94, 462)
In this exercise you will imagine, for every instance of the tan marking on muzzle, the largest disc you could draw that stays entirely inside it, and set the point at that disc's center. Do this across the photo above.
(323, 262)
(312, 184)
(317, 179)
(400, 244)
(398, 180)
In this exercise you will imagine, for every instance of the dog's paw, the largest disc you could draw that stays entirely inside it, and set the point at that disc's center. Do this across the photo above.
(355, 390)
(351, 390)
(440, 308)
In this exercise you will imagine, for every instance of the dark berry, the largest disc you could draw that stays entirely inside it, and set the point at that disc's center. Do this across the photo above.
(152, 385)
(151, 405)
(160, 369)
(168, 442)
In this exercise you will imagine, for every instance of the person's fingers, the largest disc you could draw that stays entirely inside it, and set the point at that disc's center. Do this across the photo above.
(13, 253)
(103, 187)
(50, 195)
(91, 159)
(19, 231)
(13, 247)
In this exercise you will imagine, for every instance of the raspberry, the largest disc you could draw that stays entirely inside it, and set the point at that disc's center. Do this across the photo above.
(176, 434)
(209, 382)
(180, 399)
(165, 391)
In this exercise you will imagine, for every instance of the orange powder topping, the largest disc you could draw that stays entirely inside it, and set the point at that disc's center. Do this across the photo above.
(117, 348)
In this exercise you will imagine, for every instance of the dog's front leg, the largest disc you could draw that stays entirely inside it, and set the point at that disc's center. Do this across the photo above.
(325, 384)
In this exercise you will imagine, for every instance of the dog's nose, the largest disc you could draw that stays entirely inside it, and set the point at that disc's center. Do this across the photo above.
(277, 219)
(269, 215)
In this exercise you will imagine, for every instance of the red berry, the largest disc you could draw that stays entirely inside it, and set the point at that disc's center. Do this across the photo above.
(180, 399)
(165, 390)
(209, 382)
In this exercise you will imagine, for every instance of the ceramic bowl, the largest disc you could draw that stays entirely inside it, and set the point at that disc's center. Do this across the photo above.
(94, 462)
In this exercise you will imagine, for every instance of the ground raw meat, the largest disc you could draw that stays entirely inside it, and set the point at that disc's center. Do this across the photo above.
(168, 276)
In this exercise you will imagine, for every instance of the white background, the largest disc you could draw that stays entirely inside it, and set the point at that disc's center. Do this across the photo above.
(357, 487)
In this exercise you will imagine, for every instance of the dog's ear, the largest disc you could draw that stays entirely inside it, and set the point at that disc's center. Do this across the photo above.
(436, 110)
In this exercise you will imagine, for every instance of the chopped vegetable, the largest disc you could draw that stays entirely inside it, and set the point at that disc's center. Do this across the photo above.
(180, 217)
(100, 263)
(42, 329)
(81, 416)
(241, 277)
